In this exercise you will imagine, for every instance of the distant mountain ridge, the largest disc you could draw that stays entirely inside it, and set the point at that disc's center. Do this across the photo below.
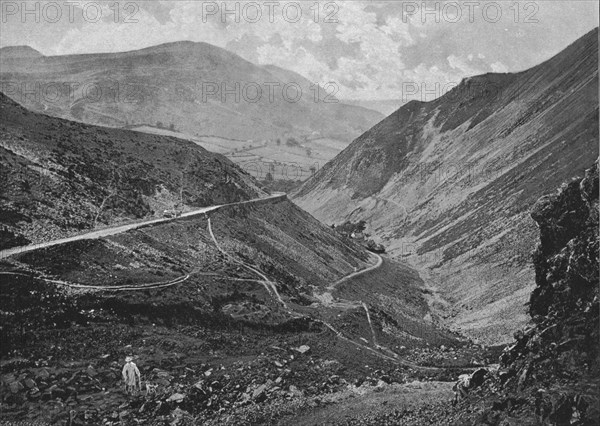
(447, 184)
(196, 87)
(384, 106)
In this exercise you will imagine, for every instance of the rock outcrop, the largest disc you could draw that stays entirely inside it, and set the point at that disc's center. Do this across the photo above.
(551, 373)
(566, 260)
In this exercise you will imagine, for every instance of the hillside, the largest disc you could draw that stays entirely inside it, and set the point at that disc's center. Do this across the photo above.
(254, 301)
(60, 177)
(19, 52)
(180, 84)
(328, 103)
(384, 106)
(447, 184)
(550, 373)
(220, 344)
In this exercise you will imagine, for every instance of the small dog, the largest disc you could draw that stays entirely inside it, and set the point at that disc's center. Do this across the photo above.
(150, 389)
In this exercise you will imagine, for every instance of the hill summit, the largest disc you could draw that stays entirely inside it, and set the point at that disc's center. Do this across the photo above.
(194, 87)
(19, 52)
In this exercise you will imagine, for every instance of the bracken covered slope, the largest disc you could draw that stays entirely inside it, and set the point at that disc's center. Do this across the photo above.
(58, 177)
(448, 184)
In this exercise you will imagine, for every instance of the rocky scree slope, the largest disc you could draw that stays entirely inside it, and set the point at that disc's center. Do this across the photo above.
(447, 184)
(199, 88)
(60, 177)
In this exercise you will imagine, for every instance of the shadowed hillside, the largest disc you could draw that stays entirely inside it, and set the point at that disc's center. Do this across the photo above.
(549, 374)
(60, 177)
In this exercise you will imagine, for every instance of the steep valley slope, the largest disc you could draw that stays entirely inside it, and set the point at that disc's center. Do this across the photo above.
(447, 185)
(60, 177)
(549, 373)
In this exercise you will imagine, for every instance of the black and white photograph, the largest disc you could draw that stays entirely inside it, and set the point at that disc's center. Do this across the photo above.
(299, 213)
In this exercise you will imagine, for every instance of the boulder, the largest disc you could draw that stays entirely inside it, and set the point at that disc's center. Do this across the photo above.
(259, 391)
(8, 378)
(180, 417)
(176, 397)
(91, 371)
(15, 386)
(29, 383)
(303, 349)
(295, 391)
(478, 377)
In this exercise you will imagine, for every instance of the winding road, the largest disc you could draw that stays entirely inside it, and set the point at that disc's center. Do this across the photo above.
(124, 228)
(377, 264)
(269, 285)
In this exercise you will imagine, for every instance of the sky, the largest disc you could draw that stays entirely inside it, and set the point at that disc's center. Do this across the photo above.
(369, 49)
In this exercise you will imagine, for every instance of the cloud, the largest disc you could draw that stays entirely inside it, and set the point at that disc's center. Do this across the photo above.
(187, 21)
(499, 67)
(460, 65)
(371, 51)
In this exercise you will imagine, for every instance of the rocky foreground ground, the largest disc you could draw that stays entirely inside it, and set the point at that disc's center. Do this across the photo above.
(199, 376)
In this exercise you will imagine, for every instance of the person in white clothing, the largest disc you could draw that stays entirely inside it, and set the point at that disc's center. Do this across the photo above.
(130, 374)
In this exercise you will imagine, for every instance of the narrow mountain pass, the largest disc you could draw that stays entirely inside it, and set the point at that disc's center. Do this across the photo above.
(373, 349)
(450, 181)
(271, 288)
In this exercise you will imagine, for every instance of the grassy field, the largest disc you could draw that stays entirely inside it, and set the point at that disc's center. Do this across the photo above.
(260, 157)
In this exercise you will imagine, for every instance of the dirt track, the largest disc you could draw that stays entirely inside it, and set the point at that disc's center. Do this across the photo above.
(269, 285)
(358, 403)
(357, 273)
